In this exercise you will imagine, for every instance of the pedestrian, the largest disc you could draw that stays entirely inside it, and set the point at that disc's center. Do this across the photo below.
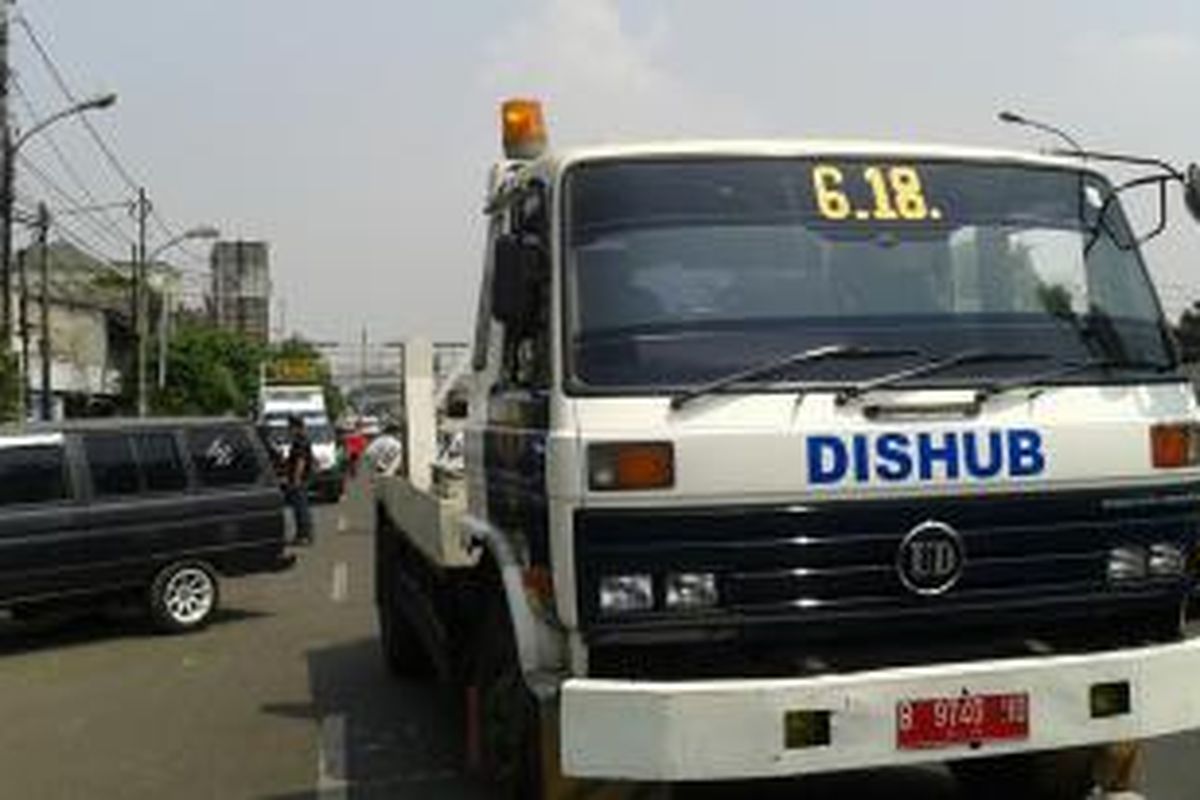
(356, 444)
(298, 467)
(385, 455)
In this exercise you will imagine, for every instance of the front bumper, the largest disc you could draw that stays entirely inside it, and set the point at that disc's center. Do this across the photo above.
(734, 729)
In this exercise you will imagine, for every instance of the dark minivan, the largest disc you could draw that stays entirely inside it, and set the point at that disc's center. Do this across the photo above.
(150, 509)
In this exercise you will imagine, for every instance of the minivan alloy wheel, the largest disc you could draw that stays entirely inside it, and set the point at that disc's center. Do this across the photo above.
(189, 595)
(184, 596)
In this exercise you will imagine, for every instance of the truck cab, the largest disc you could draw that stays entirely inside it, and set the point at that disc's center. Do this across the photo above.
(280, 402)
(791, 457)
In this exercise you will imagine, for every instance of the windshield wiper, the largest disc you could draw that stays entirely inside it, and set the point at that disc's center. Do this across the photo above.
(1065, 370)
(931, 368)
(803, 357)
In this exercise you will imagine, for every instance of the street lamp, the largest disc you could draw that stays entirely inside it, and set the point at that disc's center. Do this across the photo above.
(91, 104)
(1013, 118)
(198, 232)
(9, 147)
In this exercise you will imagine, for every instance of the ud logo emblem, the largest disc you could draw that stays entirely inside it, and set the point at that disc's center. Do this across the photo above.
(930, 558)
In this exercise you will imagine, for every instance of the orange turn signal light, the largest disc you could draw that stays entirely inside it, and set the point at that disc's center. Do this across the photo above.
(618, 466)
(524, 128)
(1174, 445)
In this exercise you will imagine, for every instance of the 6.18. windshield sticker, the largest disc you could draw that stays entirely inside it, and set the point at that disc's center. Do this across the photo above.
(872, 193)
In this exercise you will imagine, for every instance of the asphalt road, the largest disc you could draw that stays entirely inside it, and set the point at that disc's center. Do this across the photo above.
(284, 697)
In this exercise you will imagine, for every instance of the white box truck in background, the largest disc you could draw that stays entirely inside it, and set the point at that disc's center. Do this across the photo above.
(279, 402)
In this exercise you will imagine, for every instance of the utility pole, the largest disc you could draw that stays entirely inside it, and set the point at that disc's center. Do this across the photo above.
(163, 324)
(6, 184)
(23, 273)
(43, 230)
(141, 292)
(133, 304)
(363, 372)
(239, 298)
(164, 330)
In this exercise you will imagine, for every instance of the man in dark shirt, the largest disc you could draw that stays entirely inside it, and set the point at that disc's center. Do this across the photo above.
(296, 472)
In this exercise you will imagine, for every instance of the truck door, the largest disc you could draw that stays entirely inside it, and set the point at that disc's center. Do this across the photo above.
(518, 403)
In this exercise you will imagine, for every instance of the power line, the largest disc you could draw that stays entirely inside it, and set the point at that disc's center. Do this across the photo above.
(81, 243)
(72, 235)
(85, 244)
(109, 155)
(46, 181)
(113, 235)
(52, 67)
(67, 167)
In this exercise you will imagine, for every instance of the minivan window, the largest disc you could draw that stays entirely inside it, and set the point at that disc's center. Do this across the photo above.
(162, 465)
(32, 474)
(111, 463)
(223, 456)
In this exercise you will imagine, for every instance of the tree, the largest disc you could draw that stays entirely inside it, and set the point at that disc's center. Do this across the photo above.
(10, 381)
(210, 371)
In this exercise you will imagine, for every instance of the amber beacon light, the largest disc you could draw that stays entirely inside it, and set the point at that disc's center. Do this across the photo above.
(524, 128)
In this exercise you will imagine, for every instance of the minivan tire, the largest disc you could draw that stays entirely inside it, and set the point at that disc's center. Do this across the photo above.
(184, 596)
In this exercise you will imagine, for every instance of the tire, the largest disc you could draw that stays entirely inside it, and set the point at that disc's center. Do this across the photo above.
(1053, 775)
(510, 724)
(184, 596)
(403, 651)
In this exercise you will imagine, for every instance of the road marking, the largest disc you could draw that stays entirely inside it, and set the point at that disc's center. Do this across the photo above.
(331, 759)
(342, 525)
(341, 582)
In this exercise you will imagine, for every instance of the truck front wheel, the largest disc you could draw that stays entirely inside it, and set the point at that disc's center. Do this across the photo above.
(509, 721)
(1054, 775)
(403, 651)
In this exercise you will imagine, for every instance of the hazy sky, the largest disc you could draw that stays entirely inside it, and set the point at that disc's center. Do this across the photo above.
(355, 136)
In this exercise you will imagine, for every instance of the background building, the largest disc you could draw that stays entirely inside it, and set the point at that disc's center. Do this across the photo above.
(241, 288)
(91, 338)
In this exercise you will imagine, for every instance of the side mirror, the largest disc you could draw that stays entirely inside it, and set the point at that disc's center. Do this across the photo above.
(515, 269)
(1191, 190)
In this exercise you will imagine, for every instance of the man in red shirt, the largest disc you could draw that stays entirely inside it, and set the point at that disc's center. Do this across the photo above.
(356, 444)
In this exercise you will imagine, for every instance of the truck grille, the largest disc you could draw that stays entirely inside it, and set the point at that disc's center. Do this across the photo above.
(816, 563)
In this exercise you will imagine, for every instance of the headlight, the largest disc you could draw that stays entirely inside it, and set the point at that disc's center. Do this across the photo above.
(688, 591)
(1166, 560)
(1127, 564)
(621, 594)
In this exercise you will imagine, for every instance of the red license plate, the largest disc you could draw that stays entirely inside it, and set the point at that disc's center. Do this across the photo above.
(929, 723)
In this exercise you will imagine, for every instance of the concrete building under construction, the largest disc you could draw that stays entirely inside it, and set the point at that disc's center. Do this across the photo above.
(241, 291)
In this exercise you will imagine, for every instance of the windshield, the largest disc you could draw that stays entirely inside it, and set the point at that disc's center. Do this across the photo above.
(319, 431)
(681, 272)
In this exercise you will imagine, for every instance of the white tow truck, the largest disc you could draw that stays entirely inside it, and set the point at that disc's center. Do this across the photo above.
(793, 457)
